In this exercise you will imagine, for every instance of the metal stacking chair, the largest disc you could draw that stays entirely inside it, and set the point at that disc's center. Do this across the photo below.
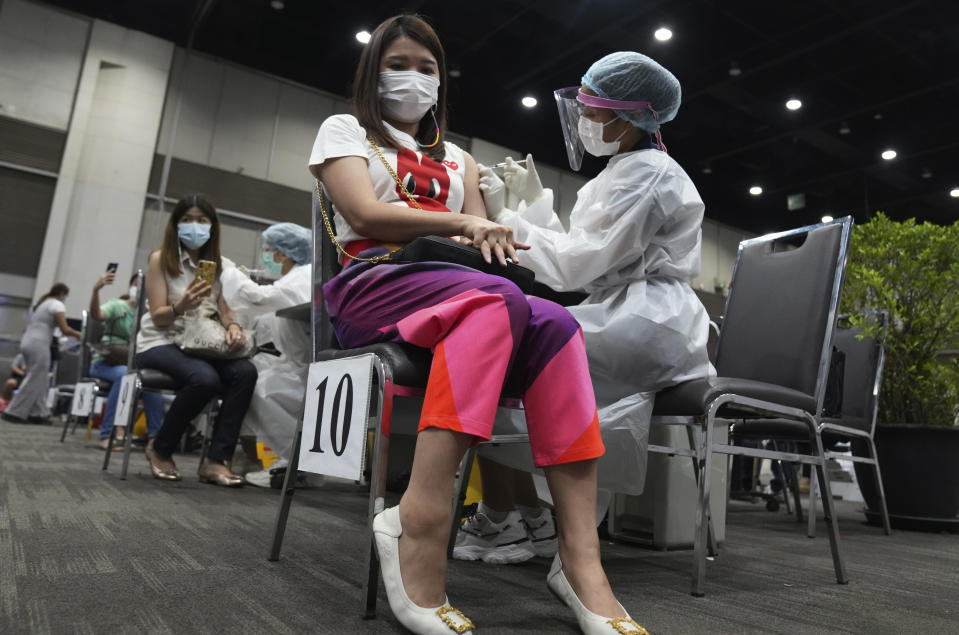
(862, 378)
(400, 370)
(860, 406)
(772, 361)
(91, 331)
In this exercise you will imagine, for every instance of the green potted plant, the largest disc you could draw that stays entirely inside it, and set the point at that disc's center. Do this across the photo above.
(912, 270)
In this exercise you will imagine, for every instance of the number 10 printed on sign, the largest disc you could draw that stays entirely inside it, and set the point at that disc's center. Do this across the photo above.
(334, 418)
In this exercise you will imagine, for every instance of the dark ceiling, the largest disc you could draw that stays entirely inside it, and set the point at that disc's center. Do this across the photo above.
(871, 75)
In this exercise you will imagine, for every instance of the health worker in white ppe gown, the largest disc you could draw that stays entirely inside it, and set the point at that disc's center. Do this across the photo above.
(278, 396)
(633, 245)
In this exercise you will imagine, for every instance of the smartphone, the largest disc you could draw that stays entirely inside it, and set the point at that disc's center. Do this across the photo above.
(112, 266)
(206, 271)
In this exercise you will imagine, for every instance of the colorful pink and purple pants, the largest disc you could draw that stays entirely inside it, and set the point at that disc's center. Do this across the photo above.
(487, 339)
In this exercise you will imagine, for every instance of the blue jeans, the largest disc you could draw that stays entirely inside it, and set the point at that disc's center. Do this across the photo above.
(152, 402)
(200, 380)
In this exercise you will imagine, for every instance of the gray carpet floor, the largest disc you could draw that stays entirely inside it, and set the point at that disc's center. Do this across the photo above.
(83, 552)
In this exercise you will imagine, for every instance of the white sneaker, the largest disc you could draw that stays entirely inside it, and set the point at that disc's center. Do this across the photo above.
(272, 474)
(542, 534)
(479, 538)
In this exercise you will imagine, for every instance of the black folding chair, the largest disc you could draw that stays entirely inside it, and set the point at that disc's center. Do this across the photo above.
(862, 379)
(772, 362)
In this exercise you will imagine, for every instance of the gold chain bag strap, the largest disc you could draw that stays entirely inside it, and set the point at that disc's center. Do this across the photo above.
(326, 217)
(433, 248)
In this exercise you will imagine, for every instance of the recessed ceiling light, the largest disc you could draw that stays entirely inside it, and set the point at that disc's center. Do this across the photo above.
(455, 72)
(826, 218)
(888, 155)
(877, 116)
(662, 34)
(755, 190)
(926, 173)
(363, 37)
(954, 192)
(529, 102)
(734, 70)
(793, 104)
(844, 128)
(707, 169)
(279, 5)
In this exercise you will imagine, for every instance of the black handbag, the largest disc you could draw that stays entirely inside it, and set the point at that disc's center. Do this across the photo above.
(439, 249)
(434, 248)
(112, 354)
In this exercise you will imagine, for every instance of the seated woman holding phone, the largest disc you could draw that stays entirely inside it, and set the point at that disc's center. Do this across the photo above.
(181, 274)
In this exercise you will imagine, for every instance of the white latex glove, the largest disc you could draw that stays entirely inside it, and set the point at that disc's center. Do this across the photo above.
(523, 181)
(493, 190)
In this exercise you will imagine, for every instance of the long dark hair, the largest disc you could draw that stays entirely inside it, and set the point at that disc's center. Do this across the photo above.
(170, 249)
(57, 289)
(366, 83)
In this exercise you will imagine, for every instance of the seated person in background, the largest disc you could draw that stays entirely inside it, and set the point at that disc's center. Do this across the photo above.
(634, 245)
(278, 398)
(18, 368)
(173, 288)
(117, 316)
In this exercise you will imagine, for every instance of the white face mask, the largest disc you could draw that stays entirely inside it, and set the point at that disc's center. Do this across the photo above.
(591, 133)
(407, 95)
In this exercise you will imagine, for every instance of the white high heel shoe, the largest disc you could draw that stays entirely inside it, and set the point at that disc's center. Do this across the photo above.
(590, 623)
(440, 620)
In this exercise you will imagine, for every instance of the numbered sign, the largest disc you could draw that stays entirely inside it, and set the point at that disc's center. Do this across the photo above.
(125, 400)
(334, 417)
(84, 394)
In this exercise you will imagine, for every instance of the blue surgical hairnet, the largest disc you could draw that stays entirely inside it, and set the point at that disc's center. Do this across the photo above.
(293, 240)
(630, 76)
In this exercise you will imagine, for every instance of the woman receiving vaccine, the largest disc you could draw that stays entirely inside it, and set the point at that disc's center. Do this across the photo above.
(392, 178)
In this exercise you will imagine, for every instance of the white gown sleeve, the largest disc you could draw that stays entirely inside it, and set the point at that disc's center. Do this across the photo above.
(242, 294)
(615, 218)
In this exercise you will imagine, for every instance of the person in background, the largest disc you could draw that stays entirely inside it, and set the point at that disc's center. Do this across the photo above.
(18, 368)
(173, 288)
(484, 333)
(278, 398)
(633, 245)
(117, 316)
(29, 404)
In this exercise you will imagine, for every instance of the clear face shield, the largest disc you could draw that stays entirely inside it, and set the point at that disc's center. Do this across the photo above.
(570, 103)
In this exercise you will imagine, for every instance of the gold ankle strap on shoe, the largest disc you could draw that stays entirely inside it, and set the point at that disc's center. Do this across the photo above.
(627, 626)
(453, 618)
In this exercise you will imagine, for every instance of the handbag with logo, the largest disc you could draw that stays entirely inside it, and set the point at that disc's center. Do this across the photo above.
(203, 335)
(434, 248)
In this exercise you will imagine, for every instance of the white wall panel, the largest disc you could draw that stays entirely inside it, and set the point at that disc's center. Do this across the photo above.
(202, 84)
(41, 53)
(98, 201)
(709, 268)
(241, 244)
(569, 185)
(244, 123)
(727, 246)
(490, 153)
(300, 114)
